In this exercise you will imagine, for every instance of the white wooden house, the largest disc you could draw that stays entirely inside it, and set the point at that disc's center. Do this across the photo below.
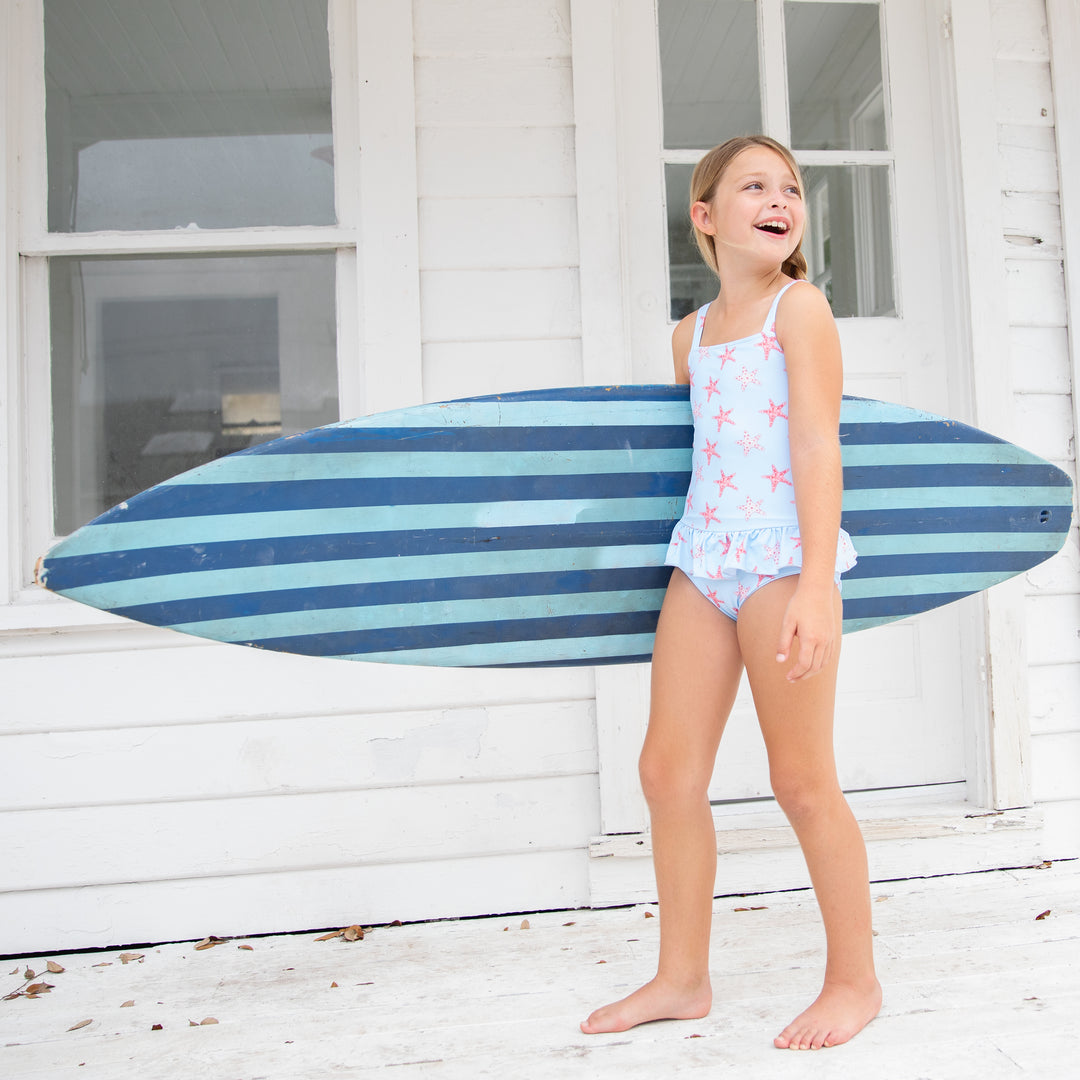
(222, 220)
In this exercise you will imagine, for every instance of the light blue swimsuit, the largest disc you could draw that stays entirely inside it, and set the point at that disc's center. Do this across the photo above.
(739, 529)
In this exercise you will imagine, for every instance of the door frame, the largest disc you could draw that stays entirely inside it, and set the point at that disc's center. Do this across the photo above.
(618, 107)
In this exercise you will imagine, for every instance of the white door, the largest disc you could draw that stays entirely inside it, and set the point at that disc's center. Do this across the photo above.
(849, 85)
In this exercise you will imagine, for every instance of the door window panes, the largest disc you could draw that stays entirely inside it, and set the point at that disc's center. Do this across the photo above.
(692, 282)
(162, 364)
(834, 76)
(848, 242)
(202, 113)
(709, 69)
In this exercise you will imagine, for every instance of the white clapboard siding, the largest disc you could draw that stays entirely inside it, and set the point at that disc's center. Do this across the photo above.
(48, 849)
(189, 908)
(85, 690)
(1043, 416)
(297, 755)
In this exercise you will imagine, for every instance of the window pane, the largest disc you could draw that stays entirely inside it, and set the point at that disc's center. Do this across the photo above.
(709, 70)
(692, 282)
(848, 242)
(163, 115)
(162, 364)
(834, 76)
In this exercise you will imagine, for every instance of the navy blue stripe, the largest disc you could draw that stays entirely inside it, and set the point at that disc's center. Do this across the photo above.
(429, 590)
(877, 433)
(955, 519)
(77, 570)
(402, 638)
(649, 392)
(446, 440)
(211, 500)
(965, 562)
(898, 607)
(858, 477)
(596, 661)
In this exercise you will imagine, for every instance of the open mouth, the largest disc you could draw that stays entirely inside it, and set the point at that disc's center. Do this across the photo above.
(775, 228)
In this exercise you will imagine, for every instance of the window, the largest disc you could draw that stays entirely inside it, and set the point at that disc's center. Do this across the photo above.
(190, 275)
(810, 74)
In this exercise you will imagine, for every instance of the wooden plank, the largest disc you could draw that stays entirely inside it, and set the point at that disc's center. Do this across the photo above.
(1019, 30)
(466, 161)
(1056, 767)
(495, 89)
(1055, 690)
(498, 305)
(1022, 93)
(49, 849)
(294, 755)
(508, 233)
(1035, 293)
(94, 916)
(1040, 359)
(1028, 157)
(1046, 615)
(504, 27)
(474, 368)
(77, 691)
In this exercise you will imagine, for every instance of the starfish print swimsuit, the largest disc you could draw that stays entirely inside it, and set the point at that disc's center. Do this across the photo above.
(739, 529)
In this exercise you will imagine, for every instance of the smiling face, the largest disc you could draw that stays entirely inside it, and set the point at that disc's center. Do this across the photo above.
(756, 209)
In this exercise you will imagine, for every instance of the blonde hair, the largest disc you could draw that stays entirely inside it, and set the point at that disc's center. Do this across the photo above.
(707, 174)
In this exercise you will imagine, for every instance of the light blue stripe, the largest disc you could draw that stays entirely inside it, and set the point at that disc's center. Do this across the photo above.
(444, 612)
(932, 498)
(938, 543)
(922, 584)
(852, 626)
(517, 652)
(617, 412)
(126, 536)
(256, 468)
(869, 411)
(937, 454)
(257, 579)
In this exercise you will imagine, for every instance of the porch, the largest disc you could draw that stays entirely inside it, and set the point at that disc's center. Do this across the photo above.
(976, 985)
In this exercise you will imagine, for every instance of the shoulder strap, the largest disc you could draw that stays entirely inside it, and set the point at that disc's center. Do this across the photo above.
(770, 319)
(699, 325)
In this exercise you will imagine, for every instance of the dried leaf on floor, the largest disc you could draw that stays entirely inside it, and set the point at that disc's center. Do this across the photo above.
(333, 986)
(525, 924)
(208, 1020)
(353, 933)
(208, 943)
(570, 923)
(38, 988)
(246, 948)
(650, 915)
(130, 957)
(332, 934)
(54, 967)
(104, 963)
(157, 1027)
(29, 974)
(1043, 915)
(80, 1024)
(127, 1004)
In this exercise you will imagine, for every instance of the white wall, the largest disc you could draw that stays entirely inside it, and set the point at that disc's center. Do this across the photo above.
(1041, 384)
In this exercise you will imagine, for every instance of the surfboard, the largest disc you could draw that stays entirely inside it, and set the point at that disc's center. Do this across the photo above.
(529, 529)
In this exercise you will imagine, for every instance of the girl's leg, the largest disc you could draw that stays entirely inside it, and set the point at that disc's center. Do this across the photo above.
(797, 723)
(695, 676)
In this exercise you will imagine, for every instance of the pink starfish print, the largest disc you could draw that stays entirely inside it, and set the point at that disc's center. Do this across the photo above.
(761, 578)
(726, 355)
(747, 377)
(740, 551)
(689, 501)
(725, 482)
(777, 477)
(711, 388)
(714, 574)
(711, 594)
(724, 417)
(768, 342)
(742, 592)
(710, 514)
(751, 508)
(699, 473)
(711, 451)
(696, 409)
(772, 552)
(749, 442)
(774, 411)
(727, 545)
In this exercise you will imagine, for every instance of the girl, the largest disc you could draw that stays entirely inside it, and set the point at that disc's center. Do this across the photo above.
(758, 556)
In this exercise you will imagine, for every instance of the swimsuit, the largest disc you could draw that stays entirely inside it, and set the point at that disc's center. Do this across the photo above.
(739, 529)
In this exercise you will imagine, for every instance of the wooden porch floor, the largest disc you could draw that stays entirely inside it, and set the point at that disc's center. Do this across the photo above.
(975, 986)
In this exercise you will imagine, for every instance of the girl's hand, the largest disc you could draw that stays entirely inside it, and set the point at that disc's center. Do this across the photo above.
(809, 618)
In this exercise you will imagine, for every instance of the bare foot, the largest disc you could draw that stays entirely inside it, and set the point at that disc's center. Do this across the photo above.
(839, 1013)
(654, 1001)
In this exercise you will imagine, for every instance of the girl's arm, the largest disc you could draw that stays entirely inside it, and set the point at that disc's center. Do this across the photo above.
(807, 333)
(681, 340)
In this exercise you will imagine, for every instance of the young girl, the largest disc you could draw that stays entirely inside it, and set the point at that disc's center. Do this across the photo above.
(758, 556)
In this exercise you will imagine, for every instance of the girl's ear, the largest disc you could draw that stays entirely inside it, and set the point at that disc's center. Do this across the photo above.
(702, 218)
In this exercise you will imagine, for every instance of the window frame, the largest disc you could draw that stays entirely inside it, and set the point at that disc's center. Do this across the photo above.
(376, 281)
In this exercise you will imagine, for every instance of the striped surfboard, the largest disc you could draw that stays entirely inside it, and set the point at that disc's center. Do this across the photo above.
(528, 529)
